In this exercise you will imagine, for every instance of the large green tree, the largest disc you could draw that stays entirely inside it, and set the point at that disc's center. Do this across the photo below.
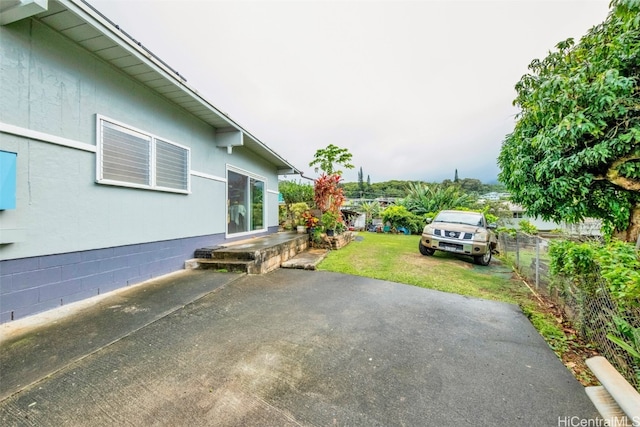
(575, 149)
(327, 159)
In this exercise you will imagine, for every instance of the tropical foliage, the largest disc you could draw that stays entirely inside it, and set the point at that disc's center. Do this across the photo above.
(328, 195)
(398, 216)
(370, 210)
(575, 149)
(398, 188)
(292, 193)
(328, 158)
(298, 211)
(424, 198)
(616, 261)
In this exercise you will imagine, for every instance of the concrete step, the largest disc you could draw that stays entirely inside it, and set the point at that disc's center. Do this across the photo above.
(253, 256)
(229, 265)
(307, 260)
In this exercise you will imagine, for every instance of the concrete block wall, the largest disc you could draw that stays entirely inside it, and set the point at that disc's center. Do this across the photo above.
(33, 285)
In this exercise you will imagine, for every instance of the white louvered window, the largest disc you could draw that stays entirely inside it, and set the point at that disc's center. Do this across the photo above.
(171, 166)
(133, 158)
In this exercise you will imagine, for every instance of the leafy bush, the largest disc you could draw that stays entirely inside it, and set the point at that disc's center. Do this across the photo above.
(616, 261)
(627, 338)
(293, 192)
(297, 211)
(399, 216)
(620, 266)
(528, 228)
(330, 220)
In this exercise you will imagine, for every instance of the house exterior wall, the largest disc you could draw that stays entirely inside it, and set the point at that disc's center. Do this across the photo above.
(77, 238)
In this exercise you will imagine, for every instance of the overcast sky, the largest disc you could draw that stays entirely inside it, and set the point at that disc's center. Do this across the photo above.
(413, 89)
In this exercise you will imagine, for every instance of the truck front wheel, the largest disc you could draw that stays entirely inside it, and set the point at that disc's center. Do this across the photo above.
(425, 250)
(483, 259)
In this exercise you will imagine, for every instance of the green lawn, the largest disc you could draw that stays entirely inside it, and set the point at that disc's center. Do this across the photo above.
(395, 257)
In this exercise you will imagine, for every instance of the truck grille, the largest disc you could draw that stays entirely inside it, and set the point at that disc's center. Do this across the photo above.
(453, 234)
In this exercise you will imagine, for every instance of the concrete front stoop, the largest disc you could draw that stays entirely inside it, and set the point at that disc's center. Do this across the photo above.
(254, 256)
(616, 400)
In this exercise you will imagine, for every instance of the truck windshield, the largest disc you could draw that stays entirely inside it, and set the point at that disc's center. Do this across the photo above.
(469, 218)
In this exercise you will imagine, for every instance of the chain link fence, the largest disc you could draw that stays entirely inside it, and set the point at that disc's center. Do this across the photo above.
(588, 306)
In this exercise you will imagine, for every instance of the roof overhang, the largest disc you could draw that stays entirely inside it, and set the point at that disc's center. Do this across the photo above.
(84, 25)
(15, 10)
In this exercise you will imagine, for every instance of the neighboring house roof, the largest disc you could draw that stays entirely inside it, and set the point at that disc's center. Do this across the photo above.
(80, 22)
(514, 207)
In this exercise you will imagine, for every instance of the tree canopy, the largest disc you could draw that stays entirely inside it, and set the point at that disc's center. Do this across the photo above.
(575, 149)
(328, 158)
(295, 192)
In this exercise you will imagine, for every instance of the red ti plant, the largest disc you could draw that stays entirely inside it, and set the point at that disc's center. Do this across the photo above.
(328, 195)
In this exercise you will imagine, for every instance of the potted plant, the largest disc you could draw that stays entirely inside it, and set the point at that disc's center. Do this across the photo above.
(297, 220)
(301, 228)
(330, 221)
(315, 235)
(309, 220)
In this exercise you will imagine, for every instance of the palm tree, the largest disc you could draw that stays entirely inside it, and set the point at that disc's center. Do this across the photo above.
(370, 210)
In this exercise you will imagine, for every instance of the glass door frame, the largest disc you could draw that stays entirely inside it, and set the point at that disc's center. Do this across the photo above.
(241, 190)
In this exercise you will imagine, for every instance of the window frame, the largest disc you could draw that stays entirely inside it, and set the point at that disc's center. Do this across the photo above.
(152, 162)
(249, 176)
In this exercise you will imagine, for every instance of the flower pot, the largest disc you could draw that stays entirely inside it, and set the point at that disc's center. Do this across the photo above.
(302, 229)
(330, 232)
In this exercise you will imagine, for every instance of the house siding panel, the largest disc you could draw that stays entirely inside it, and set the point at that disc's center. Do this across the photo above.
(81, 238)
(59, 204)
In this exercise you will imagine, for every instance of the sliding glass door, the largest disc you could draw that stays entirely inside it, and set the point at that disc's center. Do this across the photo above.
(245, 201)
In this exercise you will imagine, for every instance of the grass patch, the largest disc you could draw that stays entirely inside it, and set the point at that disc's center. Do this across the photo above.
(396, 258)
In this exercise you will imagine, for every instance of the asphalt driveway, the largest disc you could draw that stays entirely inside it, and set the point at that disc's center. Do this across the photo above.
(308, 348)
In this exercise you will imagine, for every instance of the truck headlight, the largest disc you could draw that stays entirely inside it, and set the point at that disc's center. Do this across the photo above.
(481, 236)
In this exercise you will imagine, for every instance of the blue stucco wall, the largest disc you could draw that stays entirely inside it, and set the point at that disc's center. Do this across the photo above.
(48, 84)
(79, 238)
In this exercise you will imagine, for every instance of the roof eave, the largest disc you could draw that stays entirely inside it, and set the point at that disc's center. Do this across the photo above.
(176, 91)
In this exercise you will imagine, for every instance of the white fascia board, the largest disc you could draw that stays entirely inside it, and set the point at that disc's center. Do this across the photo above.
(289, 170)
(110, 30)
(21, 9)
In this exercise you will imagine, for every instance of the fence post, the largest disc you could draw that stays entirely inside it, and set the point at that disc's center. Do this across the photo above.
(505, 243)
(537, 262)
(517, 251)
